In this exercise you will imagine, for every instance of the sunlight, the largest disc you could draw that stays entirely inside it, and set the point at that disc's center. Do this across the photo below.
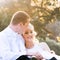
(58, 38)
(32, 3)
(58, 3)
(58, 0)
(4, 2)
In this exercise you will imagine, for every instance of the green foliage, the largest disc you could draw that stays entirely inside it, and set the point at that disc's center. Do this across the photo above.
(42, 13)
(54, 46)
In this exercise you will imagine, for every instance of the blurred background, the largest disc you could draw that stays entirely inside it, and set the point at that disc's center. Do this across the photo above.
(45, 16)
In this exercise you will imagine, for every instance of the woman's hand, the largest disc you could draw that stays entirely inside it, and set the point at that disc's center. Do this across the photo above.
(38, 56)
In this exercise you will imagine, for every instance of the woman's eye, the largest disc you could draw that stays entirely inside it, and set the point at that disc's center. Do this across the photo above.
(31, 32)
(26, 32)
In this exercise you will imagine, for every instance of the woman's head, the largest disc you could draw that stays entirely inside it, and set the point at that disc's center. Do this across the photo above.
(29, 33)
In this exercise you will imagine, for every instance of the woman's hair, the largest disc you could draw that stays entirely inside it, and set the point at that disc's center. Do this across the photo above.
(34, 32)
(31, 27)
(20, 16)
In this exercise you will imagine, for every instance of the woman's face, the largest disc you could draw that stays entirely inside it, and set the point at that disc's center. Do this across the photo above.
(28, 34)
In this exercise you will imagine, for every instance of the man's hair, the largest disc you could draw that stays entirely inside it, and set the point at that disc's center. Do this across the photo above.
(20, 16)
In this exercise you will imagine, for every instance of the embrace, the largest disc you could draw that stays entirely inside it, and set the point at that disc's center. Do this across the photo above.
(18, 41)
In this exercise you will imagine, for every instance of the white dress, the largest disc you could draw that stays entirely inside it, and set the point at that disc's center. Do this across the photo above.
(45, 54)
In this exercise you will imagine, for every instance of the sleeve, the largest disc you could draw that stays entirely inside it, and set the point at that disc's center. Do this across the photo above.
(7, 54)
(44, 46)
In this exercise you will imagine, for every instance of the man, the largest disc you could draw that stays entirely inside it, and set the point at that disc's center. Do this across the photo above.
(11, 41)
(12, 44)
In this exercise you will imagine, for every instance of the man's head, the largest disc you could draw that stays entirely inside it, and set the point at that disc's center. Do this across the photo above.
(20, 21)
(20, 16)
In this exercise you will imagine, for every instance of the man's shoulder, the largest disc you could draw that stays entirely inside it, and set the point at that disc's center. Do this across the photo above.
(2, 35)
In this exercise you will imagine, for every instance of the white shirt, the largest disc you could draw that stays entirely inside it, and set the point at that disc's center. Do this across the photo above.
(11, 45)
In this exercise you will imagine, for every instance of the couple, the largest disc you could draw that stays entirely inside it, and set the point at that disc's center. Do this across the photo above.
(12, 43)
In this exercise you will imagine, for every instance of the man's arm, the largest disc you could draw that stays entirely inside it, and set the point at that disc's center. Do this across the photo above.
(7, 54)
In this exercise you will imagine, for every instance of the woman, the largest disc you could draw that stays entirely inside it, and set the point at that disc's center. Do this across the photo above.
(34, 48)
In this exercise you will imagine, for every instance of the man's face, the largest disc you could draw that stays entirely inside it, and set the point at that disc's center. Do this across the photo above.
(25, 26)
(22, 27)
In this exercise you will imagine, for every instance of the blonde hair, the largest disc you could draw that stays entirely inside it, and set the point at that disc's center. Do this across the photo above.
(31, 27)
(34, 32)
